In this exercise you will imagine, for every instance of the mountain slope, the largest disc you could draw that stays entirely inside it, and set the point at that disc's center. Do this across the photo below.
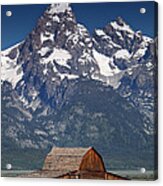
(82, 121)
(61, 86)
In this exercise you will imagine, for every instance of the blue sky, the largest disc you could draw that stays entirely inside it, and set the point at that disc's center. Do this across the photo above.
(92, 15)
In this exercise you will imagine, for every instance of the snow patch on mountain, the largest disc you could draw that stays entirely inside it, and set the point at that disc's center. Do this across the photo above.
(43, 51)
(10, 70)
(139, 53)
(122, 27)
(109, 73)
(56, 19)
(147, 39)
(58, 8)
(59, 55)
(68, 76)
(46, 36)
(40, 132)
(149, 65)
(100, 32)
(82, 30)
(122, 54)
(103, 63)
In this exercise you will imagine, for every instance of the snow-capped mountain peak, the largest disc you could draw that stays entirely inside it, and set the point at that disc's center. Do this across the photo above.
(57, 8)
(10, 70)
(120, 25)
(61, 50)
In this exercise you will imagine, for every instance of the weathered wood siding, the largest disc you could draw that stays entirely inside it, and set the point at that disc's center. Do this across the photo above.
(109, 176)
(92, 175)
(92, 161)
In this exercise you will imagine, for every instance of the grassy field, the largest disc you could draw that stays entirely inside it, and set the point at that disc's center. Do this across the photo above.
(131, 174)
(137, 175)
(14, 173)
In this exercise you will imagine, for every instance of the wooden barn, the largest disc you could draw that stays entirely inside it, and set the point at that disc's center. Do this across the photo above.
(74, 163)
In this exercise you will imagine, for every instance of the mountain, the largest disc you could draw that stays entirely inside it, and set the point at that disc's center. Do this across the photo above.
(63, 87)
(130, 66)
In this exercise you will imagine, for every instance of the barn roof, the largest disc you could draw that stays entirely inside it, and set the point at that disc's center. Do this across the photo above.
(64, 159)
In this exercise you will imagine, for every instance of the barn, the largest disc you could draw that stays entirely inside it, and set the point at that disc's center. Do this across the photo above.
(74, 163)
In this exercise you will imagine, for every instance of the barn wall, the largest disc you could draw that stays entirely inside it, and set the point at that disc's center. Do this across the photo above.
(92, 162)
(93, 175)
(109, 176)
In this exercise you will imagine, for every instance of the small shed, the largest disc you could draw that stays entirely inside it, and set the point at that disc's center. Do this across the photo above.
(75, 163)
